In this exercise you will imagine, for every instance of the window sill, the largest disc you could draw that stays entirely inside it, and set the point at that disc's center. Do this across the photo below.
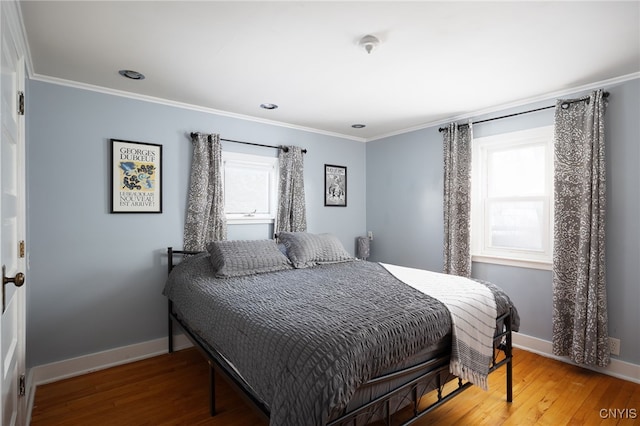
(249, 221)
(520, 263)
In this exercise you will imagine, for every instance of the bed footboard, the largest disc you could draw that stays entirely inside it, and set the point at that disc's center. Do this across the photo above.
(409, 399)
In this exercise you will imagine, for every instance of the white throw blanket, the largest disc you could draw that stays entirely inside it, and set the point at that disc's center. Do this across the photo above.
(473, 316)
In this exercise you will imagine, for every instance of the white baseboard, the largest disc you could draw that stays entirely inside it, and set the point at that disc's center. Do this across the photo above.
(85, 364)
(98, 361)
(616, 368)
(55, 371)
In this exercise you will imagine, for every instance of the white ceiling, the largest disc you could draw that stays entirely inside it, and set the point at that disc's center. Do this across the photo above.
(437, 60)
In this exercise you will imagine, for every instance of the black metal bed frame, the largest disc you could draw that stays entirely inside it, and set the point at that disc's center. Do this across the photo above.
(433, 374)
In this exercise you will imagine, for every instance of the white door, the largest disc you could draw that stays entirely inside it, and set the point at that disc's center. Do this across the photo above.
(12, 229)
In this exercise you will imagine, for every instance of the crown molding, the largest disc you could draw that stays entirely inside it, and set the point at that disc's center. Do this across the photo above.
(498, 108)
(466, 116)
(184, 105)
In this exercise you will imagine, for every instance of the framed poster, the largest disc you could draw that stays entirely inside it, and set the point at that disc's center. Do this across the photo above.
(136, 177)
(335, 186)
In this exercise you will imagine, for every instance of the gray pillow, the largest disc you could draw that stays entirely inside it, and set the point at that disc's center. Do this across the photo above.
(246, 257)
(305, 249)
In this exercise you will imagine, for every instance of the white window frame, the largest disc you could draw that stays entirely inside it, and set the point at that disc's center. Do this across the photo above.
(257, 162)
(481, 251)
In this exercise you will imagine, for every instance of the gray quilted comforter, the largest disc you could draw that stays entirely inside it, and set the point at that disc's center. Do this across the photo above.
(305, 339)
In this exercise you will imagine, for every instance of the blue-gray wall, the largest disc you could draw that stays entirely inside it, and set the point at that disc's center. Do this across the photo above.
(95, 278)
(404, 211)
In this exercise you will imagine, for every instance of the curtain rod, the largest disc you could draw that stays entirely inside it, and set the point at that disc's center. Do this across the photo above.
(605, 94)
(284, 148)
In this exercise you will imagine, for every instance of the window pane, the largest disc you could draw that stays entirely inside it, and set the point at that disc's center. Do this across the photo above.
(517, 171)
(246, 189)
(516, 224)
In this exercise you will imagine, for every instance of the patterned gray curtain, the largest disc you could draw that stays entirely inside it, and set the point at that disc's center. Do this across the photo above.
(292, 215)
(205, 213)
(579, 292)
(457, 199)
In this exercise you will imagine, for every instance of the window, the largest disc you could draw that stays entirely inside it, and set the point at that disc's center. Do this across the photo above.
(250, 188)
(512, 198)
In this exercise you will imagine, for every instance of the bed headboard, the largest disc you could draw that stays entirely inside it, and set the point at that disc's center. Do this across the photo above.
(171, 253)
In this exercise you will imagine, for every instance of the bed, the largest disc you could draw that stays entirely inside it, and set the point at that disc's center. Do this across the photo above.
(312, 336)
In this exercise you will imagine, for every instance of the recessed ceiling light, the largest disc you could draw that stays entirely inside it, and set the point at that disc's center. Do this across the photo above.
(268, 106)
(133, 75)
(358, 126)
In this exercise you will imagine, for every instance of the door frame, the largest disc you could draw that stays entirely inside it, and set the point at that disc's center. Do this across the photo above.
(11, 17)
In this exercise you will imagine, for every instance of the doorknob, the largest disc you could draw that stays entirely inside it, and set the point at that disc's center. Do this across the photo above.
(18, 280)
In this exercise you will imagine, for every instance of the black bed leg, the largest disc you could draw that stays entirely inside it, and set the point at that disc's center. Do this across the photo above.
(212, 391)
(170, 324)
(509, 383)
(509, 354)
(169, 268)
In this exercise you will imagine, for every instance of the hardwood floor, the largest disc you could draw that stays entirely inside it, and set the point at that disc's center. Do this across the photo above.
(172, 389)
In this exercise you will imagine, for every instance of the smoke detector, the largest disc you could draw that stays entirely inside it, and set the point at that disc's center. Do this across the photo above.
(369, 42)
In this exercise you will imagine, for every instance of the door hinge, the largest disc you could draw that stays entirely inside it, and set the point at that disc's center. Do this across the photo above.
(22, 386)
(21, 249)
(20, 103)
